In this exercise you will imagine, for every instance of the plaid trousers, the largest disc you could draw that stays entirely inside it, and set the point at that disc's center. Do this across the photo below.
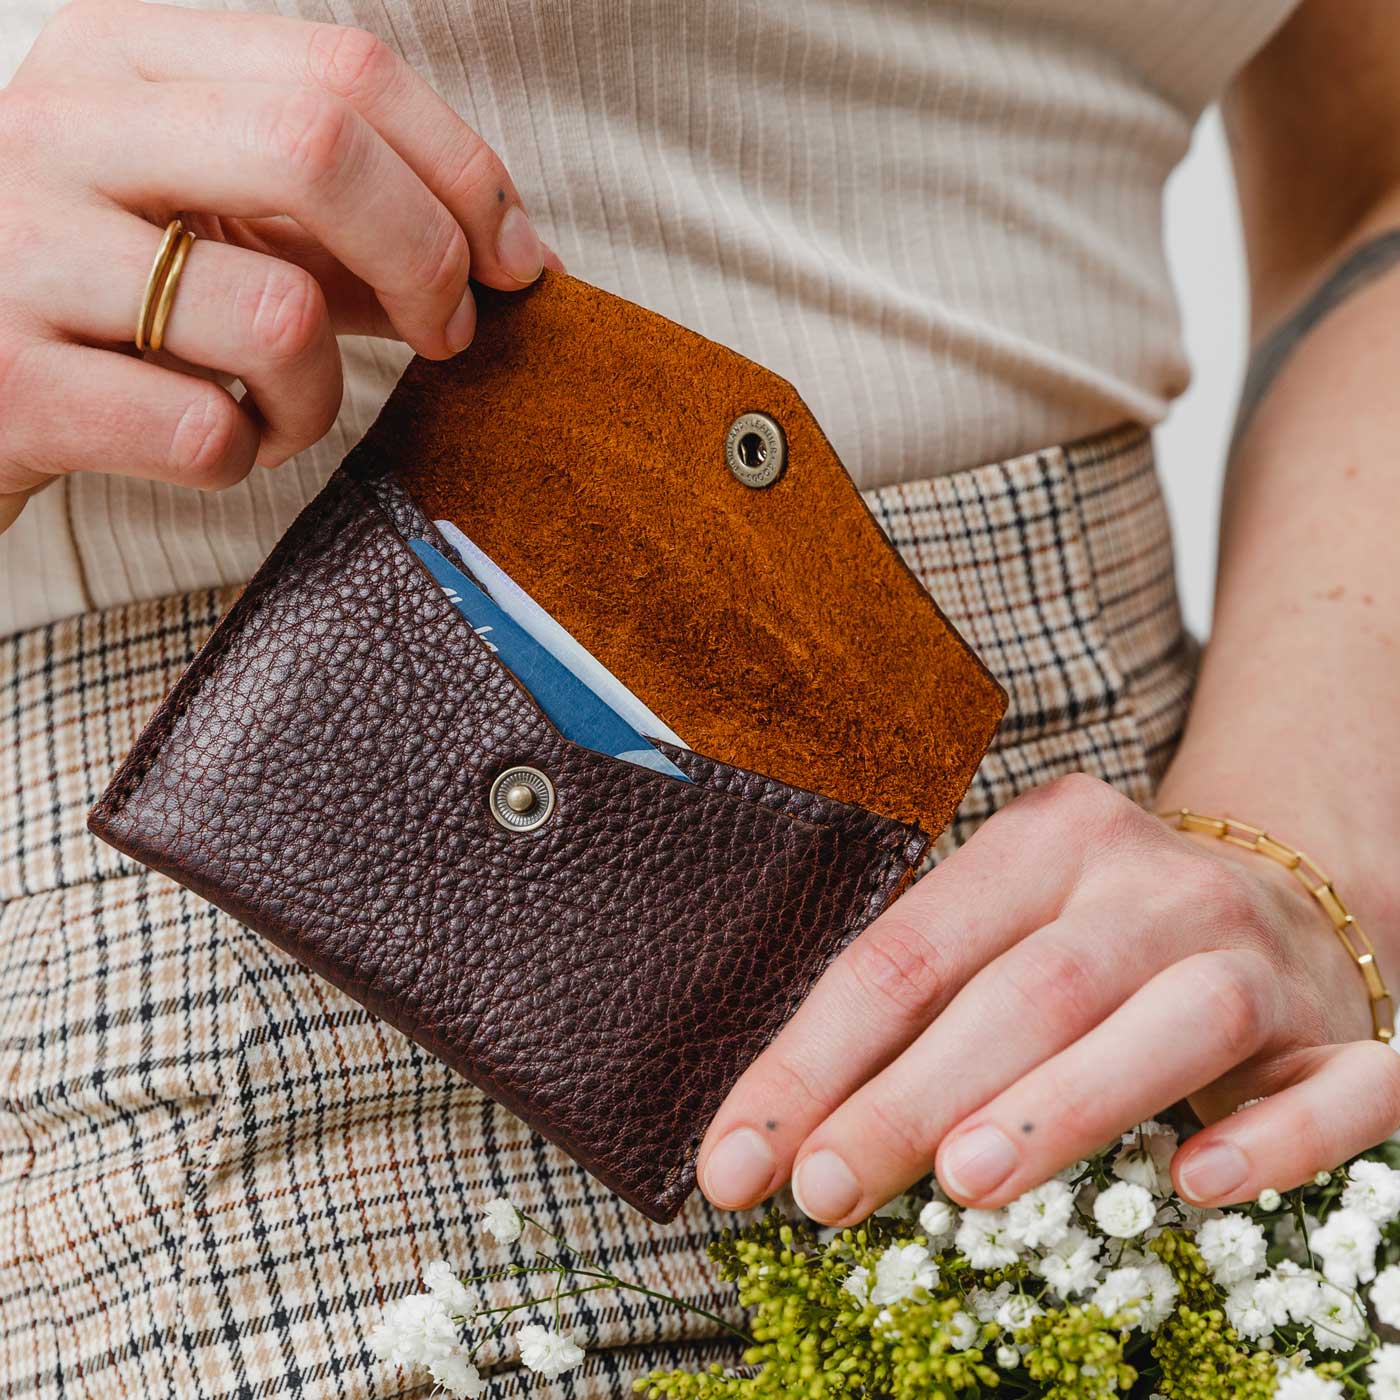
(215, 1169)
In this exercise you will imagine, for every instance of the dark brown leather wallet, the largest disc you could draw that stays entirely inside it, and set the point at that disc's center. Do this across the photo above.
(324, 769)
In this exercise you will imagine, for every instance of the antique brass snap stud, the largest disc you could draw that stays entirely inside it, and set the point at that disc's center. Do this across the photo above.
(755, 449)
(522, 799)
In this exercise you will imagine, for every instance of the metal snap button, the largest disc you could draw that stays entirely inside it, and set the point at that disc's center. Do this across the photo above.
(521, 799)
(755, 449)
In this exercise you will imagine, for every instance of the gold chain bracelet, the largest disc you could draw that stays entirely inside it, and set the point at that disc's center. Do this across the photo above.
(1313, 879)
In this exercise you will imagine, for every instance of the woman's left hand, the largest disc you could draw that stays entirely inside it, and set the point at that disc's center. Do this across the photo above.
(1075, 968)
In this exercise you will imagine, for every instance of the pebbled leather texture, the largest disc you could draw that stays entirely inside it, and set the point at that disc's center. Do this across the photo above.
(321, 773)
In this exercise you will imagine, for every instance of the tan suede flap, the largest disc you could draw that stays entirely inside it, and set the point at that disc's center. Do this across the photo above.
(580, 441)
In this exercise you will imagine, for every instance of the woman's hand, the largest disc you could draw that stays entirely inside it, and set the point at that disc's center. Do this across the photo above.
(1075, 968)
(332, 190)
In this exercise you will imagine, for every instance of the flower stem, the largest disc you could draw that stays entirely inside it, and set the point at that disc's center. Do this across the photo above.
(675, 1302)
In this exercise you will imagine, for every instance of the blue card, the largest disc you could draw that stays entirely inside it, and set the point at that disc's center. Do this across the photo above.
(572, 707)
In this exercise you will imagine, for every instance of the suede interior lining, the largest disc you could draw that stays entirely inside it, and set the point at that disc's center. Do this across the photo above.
(580, 441)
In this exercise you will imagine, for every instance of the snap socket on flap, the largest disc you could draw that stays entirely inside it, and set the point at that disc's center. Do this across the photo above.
(522, 799)
(755, 449)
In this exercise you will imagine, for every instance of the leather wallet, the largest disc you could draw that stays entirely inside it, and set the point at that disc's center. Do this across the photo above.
(326, 768)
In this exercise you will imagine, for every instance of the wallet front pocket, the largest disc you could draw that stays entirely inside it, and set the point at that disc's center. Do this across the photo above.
(323, 772)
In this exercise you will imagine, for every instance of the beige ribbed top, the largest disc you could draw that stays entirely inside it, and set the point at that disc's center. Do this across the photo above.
(941, 221)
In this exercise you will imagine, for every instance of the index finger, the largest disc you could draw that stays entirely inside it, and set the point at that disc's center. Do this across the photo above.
(881, 992)
(169, 43)
(251, 150)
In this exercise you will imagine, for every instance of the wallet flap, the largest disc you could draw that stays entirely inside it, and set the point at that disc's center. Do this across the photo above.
(581, 442)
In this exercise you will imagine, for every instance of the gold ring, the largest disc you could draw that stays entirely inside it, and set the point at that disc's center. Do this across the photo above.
(160, 285)
(167, 292)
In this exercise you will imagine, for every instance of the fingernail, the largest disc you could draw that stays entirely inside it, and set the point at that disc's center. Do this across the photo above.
(462, 325)
(975, 1162)
(739, 1169)
(518, 246)
(1213, 1172)
(824, 1187)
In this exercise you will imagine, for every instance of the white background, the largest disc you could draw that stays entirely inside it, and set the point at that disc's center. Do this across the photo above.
(1207, 261)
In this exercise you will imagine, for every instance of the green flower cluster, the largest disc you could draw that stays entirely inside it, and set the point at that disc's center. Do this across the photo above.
(896, 1309)
(1077, 1354)
(813, 1337)
(1199, 1353)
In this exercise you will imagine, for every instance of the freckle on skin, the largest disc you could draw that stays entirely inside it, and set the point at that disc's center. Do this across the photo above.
(1352, 473)
(1367, 599)
(1334, 594)
(772, 1125)
(500, 196)
(1028, 1127)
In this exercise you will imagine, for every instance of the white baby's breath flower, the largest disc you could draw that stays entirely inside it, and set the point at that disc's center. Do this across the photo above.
(1008, 1358)
(1122, 1292)
(985, 1241)
(1323, 1178)
(1040, 1216)
(1383, 1374)
(1256, 1306)
(1142, 1289)
(458, 1377)
(1017, 1313)
(1145, 1158)
(939, 1221)
(448, 1289)
(1161, 1289)
(1374, 1190)
(546, 1351)
(1299, 1287)
(1072, 1265)
(1234, 1248)
(1336, 1319)
(1125, 1210)
(415, 1331)
(1307, 1385)
(900, 1272)
(985, 1302)
(962, 1330)
(502, 1221)
(1347, 1245)
(857, 1284)
(1385, 1295)
(1269, 1199)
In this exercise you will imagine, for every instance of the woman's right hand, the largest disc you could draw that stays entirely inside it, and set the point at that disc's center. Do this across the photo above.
(332, 191)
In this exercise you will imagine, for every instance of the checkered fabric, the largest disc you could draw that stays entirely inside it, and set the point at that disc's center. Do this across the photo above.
(215, 1169)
